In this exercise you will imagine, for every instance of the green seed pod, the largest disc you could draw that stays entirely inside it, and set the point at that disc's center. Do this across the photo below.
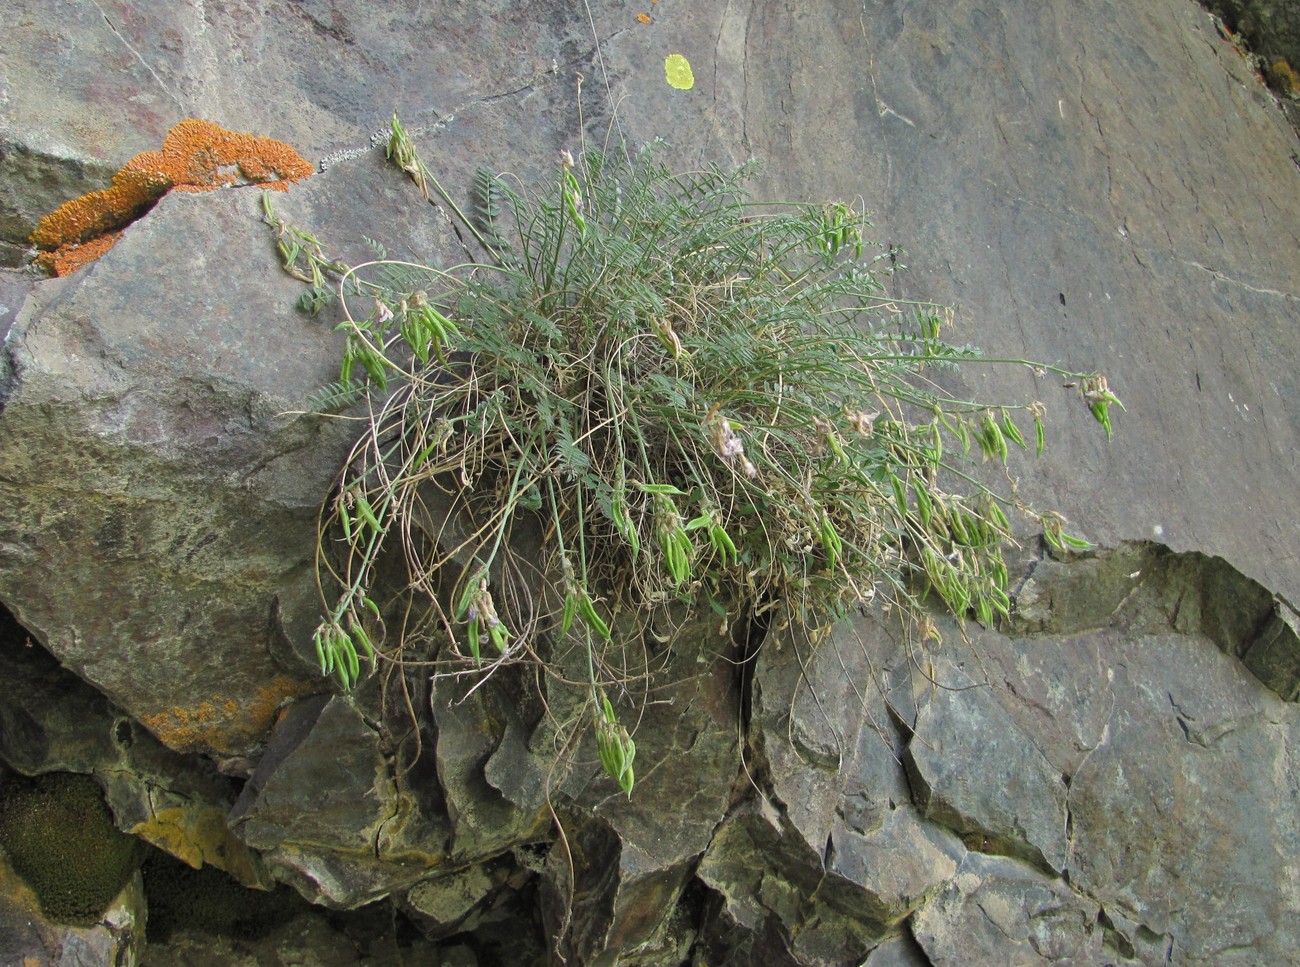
(587, 610)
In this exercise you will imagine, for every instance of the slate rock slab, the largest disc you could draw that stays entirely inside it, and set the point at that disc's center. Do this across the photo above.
(1174, 755)
(997, 911)
(974, 772)
(1193, 783)
(133, 449)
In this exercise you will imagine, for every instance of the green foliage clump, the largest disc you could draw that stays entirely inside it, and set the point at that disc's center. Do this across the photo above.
(691, 397)
(59, 837)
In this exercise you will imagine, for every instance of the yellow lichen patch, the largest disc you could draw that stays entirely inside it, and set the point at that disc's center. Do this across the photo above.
(223, 725)
(197, 834)
(678, 71)
(196, 155)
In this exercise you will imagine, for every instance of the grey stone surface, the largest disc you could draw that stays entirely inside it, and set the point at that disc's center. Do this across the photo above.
(893, 868)
(1192, 783)
(1133, 212)
(643, 851)
(81, 508)
(448, 900)
(975, 772)
(1099, 185)
(997, 911)
(897, 952)
(15, 286)
(316, 803)
(1178, 759)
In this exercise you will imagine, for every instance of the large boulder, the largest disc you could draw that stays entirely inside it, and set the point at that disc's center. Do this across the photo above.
(158, 480)
(1105, 778)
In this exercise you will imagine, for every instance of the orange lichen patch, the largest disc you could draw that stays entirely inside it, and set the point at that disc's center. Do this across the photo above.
(223, 725)
(68, 258)
(196, 155)
(76, 221)
(264, 710)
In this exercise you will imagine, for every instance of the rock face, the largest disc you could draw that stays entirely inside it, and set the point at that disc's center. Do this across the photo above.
(1107, 778)
(164, 405)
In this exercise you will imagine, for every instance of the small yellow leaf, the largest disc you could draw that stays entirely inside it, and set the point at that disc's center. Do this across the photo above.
(678, 71)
